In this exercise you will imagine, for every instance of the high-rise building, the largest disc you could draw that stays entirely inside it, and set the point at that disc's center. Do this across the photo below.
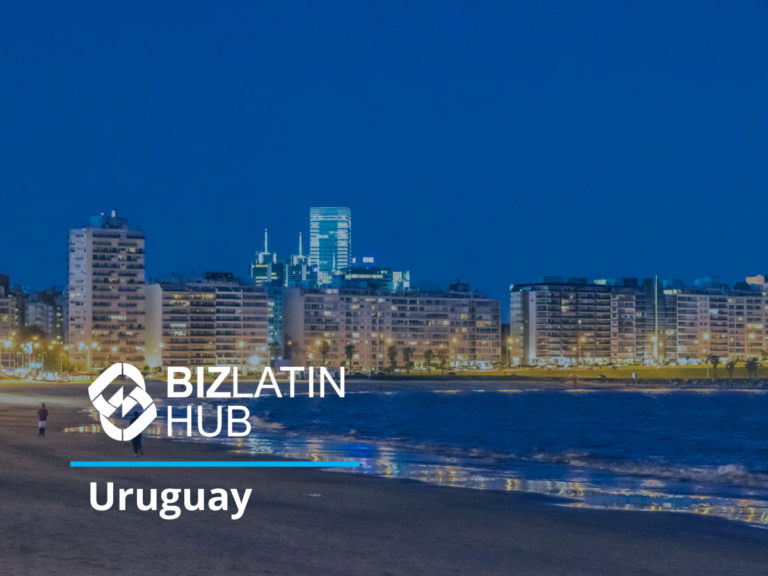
(213, 320)
(106, 293)
(11, 318)
(275, 314)
(46, 310)
(298, 271)
(465, 324)
(294, 270)
(557, 322)
(330, 241)
(267, 269)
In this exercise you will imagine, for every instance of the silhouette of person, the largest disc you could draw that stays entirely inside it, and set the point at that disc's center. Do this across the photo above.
(137, 450)
(42, 418)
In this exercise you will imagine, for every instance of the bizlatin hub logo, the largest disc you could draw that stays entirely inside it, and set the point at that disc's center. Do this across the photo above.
(179, 381)
(180, 386)
(108, 407)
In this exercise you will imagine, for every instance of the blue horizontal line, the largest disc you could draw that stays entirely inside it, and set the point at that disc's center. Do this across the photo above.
(211, 464)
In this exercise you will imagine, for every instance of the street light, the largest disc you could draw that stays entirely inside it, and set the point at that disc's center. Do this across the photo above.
(82, 346)
(37, 345)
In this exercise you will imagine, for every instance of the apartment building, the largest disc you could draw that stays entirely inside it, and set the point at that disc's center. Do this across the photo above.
(729, 324)
(11, 310)
(572, 322)
(625, 322)
(213, 320)
(106, 293)
(46, 310)
(465, 323)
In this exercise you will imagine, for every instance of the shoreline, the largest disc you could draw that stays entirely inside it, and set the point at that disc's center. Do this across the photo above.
(357, 525)
(462, 383)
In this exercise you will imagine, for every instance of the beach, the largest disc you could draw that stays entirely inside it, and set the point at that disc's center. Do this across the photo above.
(311, 521)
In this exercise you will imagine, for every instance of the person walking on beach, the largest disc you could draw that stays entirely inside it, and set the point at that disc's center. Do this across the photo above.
(137, 441)
(42, 417)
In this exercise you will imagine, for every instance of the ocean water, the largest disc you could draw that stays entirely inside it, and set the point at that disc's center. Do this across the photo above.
(703, 452)
(677, 451)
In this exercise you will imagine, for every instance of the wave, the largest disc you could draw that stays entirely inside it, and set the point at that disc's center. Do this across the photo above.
(257, 422)
(734, 474)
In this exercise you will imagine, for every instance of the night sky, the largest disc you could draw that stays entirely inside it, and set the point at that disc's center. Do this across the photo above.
(492, 141)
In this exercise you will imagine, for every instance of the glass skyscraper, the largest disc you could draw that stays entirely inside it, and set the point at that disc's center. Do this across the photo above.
(330, 240)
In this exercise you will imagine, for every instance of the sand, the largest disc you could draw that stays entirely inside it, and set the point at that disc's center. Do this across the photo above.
(357, 524)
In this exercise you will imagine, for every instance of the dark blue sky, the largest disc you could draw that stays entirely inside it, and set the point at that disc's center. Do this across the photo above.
(495, 141)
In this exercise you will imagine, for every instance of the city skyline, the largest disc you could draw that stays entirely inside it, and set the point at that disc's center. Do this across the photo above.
(285, 250)
(109, 302)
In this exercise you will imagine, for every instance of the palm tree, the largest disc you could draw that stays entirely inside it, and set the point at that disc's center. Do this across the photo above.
(751, 366)
(731, 367)
(714, 359)
(407, 359)
(274, 350)
(392, 355)
(324, 349)
(442, 356)
(349, 352)
(428, 355)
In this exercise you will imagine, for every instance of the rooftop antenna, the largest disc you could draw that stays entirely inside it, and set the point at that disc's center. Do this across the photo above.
(265, 240)
(300, 254)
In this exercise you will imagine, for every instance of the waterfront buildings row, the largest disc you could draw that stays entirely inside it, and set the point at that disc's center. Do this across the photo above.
(320, 322)
(109, 312)
(623, 321)
(222, 320)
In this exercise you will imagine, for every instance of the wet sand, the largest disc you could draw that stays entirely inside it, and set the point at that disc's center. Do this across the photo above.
(357, 524)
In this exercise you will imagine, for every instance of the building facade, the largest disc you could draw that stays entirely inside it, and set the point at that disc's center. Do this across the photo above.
(330, 241)
(46, 310)
(213, 320)
(626, 322)
(11, 321)
(466, 324)
(106, 293)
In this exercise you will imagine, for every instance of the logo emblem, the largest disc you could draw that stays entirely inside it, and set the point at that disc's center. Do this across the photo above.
(108, 407)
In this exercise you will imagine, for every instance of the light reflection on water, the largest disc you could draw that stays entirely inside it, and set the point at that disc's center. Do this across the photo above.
(399, 463)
